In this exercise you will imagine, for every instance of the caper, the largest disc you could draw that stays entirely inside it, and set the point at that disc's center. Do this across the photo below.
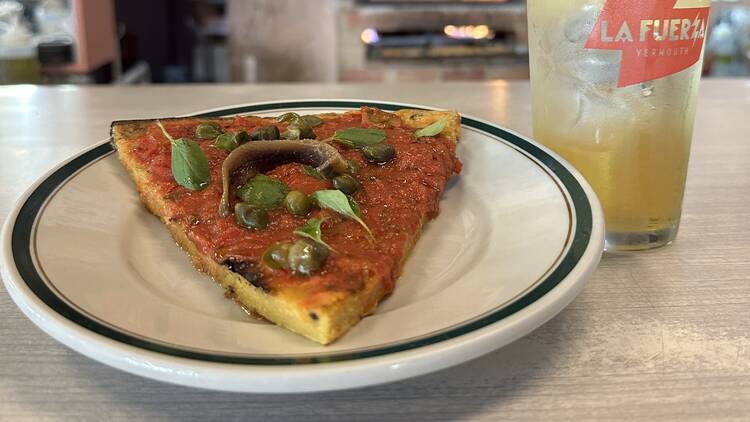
(299, 131)
(306, 132)
(208, 130)
(250, 217)
(292, 133)
(379, 153)
(230, 141)
(296, 119)
(312, 121)
(265, 133)
(226, 141)
(288, 117)
(276, 256)
(346, 183)
(297, 203)
(353, 166)
(241, 137)
(305, 256)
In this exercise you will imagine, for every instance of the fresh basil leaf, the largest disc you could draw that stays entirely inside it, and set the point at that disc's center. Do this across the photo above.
(263, 191)
(310, 171)
(356, 137)
(336, 201)
(189, 165)
(226, 141)
(312, 230)
(432, 130)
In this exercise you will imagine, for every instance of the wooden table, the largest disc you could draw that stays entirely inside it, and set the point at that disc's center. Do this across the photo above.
(663, 335)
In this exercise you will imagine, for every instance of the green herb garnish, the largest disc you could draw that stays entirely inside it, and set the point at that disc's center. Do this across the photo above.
(433, 129)
(335, 200)
(312, 172)
(311, 230)
(263, 191)
(359, 137)
(189, 164)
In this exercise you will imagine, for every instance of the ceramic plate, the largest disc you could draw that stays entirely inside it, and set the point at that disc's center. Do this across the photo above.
(518, 234)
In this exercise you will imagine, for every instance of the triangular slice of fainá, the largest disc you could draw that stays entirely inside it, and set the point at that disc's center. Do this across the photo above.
(309, 234)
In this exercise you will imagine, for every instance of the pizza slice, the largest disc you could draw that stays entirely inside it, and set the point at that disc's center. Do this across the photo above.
(305, 221)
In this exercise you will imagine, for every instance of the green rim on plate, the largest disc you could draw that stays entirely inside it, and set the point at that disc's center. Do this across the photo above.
(22, 232)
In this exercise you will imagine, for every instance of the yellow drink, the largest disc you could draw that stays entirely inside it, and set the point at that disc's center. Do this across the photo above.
(632, 142)
(24, 70)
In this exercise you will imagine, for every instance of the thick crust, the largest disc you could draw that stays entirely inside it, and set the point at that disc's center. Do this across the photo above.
(326, 319)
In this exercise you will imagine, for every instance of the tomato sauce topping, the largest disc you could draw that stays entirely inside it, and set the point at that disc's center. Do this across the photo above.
(395, 198)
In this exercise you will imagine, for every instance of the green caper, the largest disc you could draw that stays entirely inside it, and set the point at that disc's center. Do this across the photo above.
(379, 153)
(226, 141)
(297, 203)
(306, 132)
(312, 121)
(288, 117)
(292, 133)
(305, 256)
(250, 217)
(208, 130)
(299, 131)
(346, 183)
(276, 256)
(230, 141)
(353, 166)
(265, 133)
(241, 137)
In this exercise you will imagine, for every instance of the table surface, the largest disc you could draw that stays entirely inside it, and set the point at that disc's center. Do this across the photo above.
(663, 335)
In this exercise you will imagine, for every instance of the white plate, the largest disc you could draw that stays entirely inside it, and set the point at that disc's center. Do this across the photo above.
(518, 234)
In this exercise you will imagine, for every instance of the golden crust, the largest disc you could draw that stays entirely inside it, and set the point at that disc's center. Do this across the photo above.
(322, 321)
(418, 119)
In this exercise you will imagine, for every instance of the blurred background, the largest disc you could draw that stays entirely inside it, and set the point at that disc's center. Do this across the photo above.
(267, 41)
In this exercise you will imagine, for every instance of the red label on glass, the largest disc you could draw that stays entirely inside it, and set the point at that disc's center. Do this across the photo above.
(656, 38)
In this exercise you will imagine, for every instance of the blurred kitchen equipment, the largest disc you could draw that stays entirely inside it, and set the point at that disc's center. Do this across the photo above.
(77, 40)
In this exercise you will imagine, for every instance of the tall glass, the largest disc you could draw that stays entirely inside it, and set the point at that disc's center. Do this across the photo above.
(614, 85)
